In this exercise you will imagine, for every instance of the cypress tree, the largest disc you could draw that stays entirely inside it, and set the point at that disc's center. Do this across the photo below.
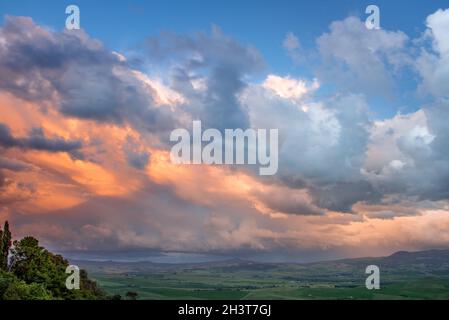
(5, 245)
(1, 246)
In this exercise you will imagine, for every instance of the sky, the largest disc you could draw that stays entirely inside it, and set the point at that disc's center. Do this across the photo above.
(86, 116)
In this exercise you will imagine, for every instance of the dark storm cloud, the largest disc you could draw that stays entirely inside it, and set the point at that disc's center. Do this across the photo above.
(285, 202)
(412, 155)
(221, 63)
(83, 79)
(136, 158)
(34, 60)
(77, 74)
(320, 148)
(36, 140)
(428, 178)
(343, 195)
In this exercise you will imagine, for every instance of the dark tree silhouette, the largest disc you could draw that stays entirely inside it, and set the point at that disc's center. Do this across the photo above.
(5, 245)
(131, 295)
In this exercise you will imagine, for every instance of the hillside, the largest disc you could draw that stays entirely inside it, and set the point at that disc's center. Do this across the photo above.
(404, 275)
(30, 272)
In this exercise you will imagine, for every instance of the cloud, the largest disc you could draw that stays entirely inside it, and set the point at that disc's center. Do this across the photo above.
(343, 195)
(289, 88)
(220, 63)
(433, 66)
(13, 164)
(326, 134)
(321, 143)
(36, 140)
(361, 60)
(12, 192)
(77, 74)
(292, 46)
(408, 154)
(281, 199)
(136, 158)
(83, 99)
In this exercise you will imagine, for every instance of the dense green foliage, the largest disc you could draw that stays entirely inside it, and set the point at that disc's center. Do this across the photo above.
(30, 272)
(12, 288)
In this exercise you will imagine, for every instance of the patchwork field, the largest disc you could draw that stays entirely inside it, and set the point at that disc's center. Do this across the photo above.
(422, 275)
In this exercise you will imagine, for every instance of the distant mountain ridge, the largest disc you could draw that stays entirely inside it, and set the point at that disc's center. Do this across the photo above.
(428, 258)
(427, 254)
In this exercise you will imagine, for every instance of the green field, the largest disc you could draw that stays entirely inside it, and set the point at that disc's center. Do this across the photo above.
(422, 275)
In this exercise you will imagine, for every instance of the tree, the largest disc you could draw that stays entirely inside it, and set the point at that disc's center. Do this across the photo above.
(131, 295)
(34, 273)
(34, 264)
(1, 248)
(12, 288)
(5, 245)
(19, 290)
